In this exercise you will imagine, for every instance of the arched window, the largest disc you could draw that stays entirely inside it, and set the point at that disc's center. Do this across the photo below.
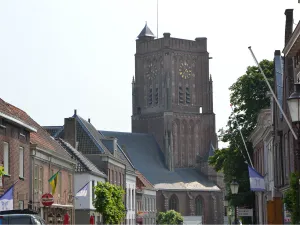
(173, 203)
(199, 206)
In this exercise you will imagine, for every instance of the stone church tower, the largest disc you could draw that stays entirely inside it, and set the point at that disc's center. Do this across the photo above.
(172, 97)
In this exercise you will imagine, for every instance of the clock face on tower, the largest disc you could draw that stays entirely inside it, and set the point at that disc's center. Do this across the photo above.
(151, 71)
(185, 70)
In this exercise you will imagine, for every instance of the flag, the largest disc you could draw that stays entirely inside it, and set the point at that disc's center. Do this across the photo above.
(211, 150)
(257, 181)
(7, 199)
(53, 182)
(83, 191)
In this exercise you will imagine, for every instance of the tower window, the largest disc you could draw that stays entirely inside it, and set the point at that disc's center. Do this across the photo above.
(187, 95)
(150, 96)
(180, 93)
(156, 96)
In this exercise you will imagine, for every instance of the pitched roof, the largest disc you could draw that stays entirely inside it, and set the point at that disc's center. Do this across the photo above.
(91, 140)
(93, 134)
(144, 181)
(54, 131)
(82, 162)
(147, 158)
(41, 138)
(146, 32)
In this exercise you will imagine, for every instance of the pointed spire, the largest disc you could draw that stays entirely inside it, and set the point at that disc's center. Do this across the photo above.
(146, 32)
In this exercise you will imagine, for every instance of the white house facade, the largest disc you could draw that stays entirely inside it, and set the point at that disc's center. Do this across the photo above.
(130, 198)
(86, 173)
(80, 180)
(262, 140)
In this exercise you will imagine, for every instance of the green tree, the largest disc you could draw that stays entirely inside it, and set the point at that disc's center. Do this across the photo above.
(249, 96)
(109, 202)
(170, 217)
(292, 198)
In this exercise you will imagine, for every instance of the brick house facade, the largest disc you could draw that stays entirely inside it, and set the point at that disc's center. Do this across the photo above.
(15, 137)
(43, 156)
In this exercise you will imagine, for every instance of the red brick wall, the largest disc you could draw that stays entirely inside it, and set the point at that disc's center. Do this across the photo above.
(11, 135)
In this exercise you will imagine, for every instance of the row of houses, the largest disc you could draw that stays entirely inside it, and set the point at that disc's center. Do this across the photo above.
(82, 155)
(275, 148)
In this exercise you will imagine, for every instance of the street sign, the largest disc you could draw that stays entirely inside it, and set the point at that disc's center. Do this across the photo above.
(245, 212)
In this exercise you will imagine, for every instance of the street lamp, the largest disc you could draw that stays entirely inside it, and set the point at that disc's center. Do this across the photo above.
(225, 201)
(294, 108)
(294, 104)
(234, 186)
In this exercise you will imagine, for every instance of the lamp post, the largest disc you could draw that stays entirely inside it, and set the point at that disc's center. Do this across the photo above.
(234, 186)
(294, 108)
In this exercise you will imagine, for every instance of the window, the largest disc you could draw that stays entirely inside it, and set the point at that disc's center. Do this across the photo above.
(187, 95)
(173, 203)
(199, 210)
(150, 96)
(130, 202)
(41, 179)
(21, 204)
(6, 157)
(60, 184)
(156, 96)
(180, 94)
(70, 183)
(36, 175)
(21, 162)
(93, 191)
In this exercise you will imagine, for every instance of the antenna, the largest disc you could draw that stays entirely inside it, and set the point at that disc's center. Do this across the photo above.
(157, 18)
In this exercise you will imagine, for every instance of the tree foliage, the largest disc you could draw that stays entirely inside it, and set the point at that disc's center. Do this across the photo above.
(170, 217)
(292, 198)
(248, 95)
(2, 172)
(109, 202)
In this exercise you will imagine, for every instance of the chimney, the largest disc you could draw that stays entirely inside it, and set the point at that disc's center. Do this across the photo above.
(289, 22)
(277, 53)
(89, 120)
(75, 112)
(70, 134)
(115, 142)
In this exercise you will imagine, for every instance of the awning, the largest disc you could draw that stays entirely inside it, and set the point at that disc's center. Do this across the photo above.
(60, 206)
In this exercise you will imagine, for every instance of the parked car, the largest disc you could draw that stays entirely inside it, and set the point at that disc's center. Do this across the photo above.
(20, 217)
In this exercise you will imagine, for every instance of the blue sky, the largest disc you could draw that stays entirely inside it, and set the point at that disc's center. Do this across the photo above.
(57, 56)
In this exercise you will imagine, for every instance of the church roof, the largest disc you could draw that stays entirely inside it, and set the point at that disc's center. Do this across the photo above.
(147, 158)
(146, 32)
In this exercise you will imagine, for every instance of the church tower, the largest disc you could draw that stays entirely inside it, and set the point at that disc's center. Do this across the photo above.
(172, 97)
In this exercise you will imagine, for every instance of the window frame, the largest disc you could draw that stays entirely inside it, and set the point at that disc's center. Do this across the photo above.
(6, 165)
(41, 179)
(21, 162)
(36, 178)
